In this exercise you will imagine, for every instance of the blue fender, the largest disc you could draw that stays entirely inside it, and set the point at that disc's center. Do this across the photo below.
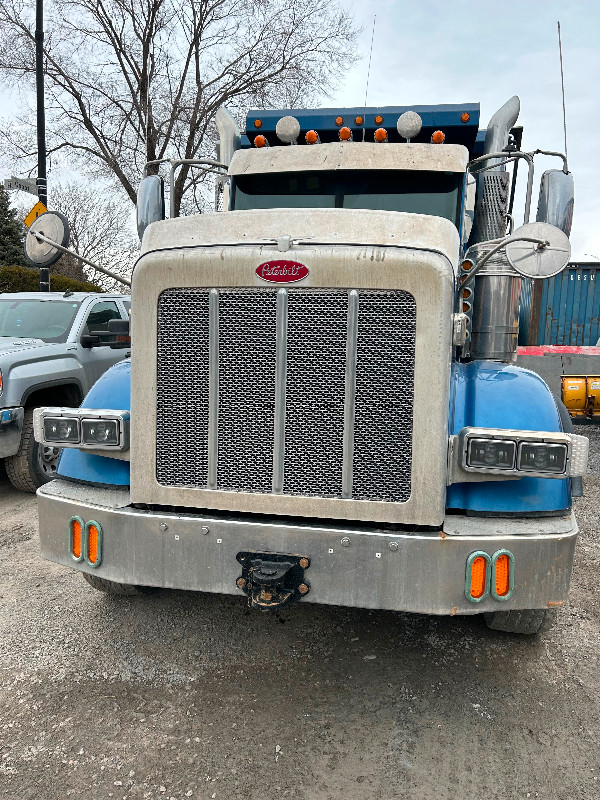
(112, 390)
(488, 394)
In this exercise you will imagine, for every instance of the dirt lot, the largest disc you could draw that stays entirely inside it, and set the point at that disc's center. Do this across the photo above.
(177, 695)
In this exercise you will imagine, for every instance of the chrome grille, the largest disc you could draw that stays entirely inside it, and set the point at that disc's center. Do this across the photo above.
(296, 391)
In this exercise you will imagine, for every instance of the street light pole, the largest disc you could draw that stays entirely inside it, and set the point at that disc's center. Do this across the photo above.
(42, 183)
(41, 112)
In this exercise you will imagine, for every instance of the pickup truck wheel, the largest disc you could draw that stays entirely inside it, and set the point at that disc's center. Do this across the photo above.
(33, 464)
(529, 621)
(112, 587)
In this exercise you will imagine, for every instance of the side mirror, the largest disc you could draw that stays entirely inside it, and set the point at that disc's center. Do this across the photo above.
(90, 340)
(119, 337)
(557, 197)
(150, 202)
(538, 250)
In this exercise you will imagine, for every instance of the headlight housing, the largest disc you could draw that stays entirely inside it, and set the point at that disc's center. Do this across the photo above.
(85, 428)
(512, 453)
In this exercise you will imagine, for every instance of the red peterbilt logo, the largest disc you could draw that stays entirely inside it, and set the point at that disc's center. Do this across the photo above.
(282, 271)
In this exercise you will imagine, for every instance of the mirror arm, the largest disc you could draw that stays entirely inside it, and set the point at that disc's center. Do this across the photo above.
(542, 244)
(508, 157)
(554, 153)
(42, 238)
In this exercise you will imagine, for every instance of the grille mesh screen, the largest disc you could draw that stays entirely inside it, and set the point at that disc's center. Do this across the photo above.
(314, 391)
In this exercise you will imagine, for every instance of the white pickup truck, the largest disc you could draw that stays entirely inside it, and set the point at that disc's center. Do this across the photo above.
(53, 348)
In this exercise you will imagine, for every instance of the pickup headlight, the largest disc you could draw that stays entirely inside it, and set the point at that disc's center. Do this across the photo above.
(85, 428)
(541, 454)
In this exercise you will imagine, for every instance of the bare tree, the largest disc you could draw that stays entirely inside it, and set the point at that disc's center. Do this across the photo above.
(131, 81)
(100, 230)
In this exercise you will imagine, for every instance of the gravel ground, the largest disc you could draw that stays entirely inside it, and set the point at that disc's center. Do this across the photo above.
(180, 695)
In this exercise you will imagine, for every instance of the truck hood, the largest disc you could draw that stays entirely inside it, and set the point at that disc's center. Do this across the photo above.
(11, 344)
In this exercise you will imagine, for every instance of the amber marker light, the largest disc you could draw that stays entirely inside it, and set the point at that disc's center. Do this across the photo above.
(93, 554)
(478, 570)
(478, 574)
(466, 265)
(260, 141)
(465, 117)
(503, 577)
(381, 135)
(312, 137)
(358, 120)
(75, 538)
(258, 123)
(378, 119)
(339, 121)
(438, 137)
(345, 134)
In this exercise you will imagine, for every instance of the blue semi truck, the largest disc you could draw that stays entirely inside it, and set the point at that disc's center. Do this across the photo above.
(322, 403)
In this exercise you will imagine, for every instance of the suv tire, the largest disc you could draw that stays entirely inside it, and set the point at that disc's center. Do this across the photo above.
(33, 464)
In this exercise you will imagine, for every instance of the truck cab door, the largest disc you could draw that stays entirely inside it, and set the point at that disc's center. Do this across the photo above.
(100, 357)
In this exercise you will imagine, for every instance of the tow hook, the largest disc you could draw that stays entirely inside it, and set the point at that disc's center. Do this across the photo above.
(270, 580)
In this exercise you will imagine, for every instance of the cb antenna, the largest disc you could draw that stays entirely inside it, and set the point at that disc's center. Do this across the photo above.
(562, 82)
(368, 74)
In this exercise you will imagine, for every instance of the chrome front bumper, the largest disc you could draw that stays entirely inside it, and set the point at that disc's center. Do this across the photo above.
(11, 425)
(350, 566)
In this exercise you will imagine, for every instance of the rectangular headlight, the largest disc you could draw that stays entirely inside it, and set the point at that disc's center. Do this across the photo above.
(100, 431)
(535, 457)
(491, 453)
(61, 430)
(85, 428)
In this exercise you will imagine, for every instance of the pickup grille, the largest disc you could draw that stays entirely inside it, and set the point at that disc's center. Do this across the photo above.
(294, 391)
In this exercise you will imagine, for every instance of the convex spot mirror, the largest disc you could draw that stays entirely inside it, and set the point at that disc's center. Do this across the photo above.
(532, 260)
(53, 226)
(150, 202)
(557, 198)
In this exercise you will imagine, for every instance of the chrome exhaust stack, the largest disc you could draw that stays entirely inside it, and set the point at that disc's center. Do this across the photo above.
(497, 289)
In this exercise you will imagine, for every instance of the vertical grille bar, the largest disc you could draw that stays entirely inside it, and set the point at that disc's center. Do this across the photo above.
(213, 387)
(350, 394)
(280, 384)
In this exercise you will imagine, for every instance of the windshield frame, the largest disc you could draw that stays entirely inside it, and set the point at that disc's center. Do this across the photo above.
(31, 303)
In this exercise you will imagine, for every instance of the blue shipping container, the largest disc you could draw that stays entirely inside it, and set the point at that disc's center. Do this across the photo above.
(562, 310)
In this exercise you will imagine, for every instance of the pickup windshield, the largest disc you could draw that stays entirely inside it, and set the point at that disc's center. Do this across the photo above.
(417, 192)
(49, 320)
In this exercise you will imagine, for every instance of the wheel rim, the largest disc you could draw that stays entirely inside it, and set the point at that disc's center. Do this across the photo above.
(48, 460)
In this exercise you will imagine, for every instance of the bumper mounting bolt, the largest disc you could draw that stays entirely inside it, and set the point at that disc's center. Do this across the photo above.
(163, 526)
(393, 546)
(345, 542)
(303, 563)
(205, 530)
(303, 588)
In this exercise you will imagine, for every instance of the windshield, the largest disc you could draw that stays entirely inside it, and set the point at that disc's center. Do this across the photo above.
(417, 192)
(49, 320)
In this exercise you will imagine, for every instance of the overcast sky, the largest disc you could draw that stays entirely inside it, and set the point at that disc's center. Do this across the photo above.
(461, 51)
(456, 51)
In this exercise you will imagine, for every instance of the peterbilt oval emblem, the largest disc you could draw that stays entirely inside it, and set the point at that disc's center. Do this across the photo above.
(281, 271)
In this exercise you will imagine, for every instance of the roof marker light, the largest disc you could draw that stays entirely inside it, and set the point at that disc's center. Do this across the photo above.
(339, 121)
(260, 141)
(378, 119)
(438, 137)
(465, 117)
(258, 123)
(312, 137)
(345, 134)
(358, 121)
(381, 135)
(288, 130)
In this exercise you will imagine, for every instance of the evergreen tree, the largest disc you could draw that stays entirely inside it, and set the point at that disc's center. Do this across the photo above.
(11, 234)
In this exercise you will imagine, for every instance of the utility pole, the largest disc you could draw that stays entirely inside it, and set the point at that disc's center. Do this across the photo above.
(42, 183)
